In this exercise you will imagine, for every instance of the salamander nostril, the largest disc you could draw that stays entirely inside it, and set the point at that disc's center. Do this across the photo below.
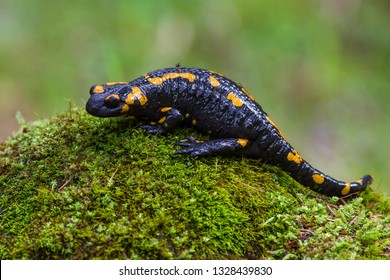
(92, 89)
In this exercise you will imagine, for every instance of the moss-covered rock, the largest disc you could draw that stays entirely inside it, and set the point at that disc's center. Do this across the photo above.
(79, 187)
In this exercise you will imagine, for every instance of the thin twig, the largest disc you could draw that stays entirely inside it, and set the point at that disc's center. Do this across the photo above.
(354, 219)
(376, 215)
(112, 177)
(331, 211)
(342, 199)
(66, 183)
(249, 186)
(306, 230)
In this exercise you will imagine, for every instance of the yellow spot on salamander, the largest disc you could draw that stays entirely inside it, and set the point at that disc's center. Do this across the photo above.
(159, 80)
(318, 179)
(125, 108)
(136, 94)
(156, 81)
(346, 189)
(295, 157)
(130, 99)
(247, 93)
(235, 100)
(162, 120)
(115, 83)
(140, 95)
(277, 128)
(213, 81)
(242, 142)
(165, 109)
(187, 115)
(131, 117)
(98, 89)
(211, 71)
(116, 96)
(193, 122)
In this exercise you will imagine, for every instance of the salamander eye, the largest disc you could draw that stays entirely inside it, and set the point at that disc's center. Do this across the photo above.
(112, 101)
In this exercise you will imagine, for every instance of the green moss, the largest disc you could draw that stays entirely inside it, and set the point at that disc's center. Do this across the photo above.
(79, 187)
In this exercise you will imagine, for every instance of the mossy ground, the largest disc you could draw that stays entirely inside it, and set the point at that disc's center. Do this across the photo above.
(79, 187)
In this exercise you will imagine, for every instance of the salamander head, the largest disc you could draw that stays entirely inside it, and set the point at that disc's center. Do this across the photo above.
(114, 99)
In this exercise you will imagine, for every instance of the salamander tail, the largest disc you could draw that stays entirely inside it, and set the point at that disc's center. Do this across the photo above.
(362, 183)
(345, 188)
(329, 186)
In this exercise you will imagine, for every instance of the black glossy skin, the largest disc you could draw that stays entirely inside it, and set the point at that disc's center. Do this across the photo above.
(215, 105)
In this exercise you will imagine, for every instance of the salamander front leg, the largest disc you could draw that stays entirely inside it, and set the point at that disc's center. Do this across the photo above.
(167, 118)
(213, 147)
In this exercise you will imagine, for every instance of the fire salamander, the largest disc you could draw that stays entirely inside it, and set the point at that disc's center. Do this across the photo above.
(212, 104)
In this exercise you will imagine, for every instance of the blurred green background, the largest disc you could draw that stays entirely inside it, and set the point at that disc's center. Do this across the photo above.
(319, 68)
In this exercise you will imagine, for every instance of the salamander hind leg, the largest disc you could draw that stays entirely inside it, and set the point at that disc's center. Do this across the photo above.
(213, 147)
